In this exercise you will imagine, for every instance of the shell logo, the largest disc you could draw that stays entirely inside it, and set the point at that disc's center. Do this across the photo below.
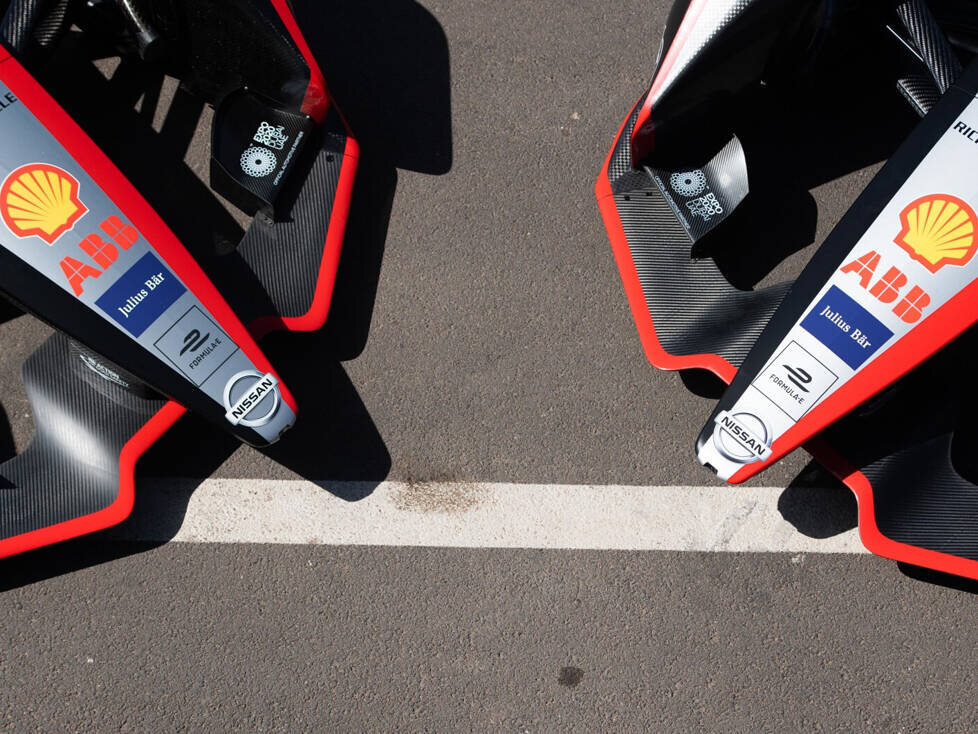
(40, 200)
(939, 230)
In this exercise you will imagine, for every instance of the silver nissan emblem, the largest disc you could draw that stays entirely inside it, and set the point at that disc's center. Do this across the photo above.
(239, 412)
(730, 447)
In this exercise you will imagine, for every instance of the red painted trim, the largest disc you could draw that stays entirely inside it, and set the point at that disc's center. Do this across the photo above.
(316, 101)
(643, 139)
(315, 317)
(118, 188)
(933, 333)
(869, 533)
(145, 219)
(119, 509)
(658, 356)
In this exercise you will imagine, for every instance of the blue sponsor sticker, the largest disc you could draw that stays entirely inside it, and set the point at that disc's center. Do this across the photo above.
(141, 295)
(845, 327)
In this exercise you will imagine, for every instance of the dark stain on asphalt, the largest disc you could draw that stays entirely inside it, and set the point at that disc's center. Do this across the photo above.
(570, 677)
(437, 497)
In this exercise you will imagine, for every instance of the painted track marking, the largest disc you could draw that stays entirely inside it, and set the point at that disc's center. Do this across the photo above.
(473, 515)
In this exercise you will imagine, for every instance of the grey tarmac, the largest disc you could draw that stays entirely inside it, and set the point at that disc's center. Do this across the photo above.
(480, 334)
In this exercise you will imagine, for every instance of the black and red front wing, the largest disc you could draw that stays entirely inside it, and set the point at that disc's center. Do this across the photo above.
(904, 455)
(91, 425)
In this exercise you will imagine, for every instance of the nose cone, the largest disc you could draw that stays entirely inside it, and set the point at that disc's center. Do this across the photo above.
(718, 48)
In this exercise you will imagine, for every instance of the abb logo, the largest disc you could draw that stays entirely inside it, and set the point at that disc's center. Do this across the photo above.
(102, 252)
(889, 287)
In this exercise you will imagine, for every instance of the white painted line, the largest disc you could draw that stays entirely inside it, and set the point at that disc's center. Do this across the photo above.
(474, 515)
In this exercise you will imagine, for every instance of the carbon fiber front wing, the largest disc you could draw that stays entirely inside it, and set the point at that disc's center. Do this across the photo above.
(93, 417)
(905, 455)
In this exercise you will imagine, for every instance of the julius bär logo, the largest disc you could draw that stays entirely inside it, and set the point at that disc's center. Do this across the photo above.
(938, 230)
(40, 200)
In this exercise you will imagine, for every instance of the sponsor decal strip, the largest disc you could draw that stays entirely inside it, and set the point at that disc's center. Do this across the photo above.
(913, 259)
(60, 222)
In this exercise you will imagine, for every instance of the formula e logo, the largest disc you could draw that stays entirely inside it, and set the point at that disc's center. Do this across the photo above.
(40, 200)
(251, 398)
(194, 341)
(742, 437)
(798, 376)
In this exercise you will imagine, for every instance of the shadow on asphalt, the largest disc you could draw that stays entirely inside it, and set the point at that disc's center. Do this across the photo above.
(818, 504)
(793, 143)
(936, 578)
(387, 64)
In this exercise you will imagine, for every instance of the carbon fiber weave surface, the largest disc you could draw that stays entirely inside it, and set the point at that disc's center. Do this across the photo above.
(694, 308)
(920, 91)
(914, 445)
(230, 44)
(82, 421)
(930, 40)
(18, 23)
(285, 256)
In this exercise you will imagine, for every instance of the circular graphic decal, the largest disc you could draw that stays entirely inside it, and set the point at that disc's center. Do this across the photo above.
(258, 162)
(688, 183)
(251, 399)
(743, 437)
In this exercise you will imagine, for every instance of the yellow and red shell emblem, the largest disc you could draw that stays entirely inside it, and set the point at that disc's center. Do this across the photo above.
(42, 200)
(939, 230)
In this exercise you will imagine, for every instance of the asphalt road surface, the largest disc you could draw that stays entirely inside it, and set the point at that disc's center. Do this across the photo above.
(479, 341)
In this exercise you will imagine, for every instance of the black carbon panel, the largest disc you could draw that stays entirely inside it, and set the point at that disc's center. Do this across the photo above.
(921, 500)
(915, 446)
(621, 163)
(937, 52)
(49, 29)
(694, 308)
(18, 22)
(920, 91)
(230, 44)
(285, 256)
(71, 467)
